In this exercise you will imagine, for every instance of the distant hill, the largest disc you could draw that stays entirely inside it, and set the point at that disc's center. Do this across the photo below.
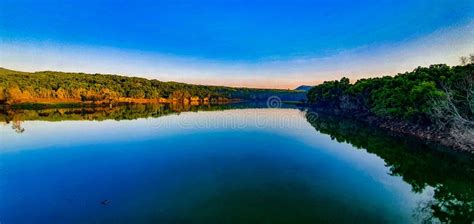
(304, 88)
(7, 71)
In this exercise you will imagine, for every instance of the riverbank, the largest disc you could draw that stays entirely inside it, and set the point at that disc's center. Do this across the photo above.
(442, 136)
(42, 103)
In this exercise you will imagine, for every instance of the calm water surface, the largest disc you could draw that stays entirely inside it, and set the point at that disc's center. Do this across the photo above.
(149, 164)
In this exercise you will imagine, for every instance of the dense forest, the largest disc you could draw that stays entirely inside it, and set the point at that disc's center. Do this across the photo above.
(48, 86)
(437, 96)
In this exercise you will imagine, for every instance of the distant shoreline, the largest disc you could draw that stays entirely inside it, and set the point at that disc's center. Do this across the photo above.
(76, 103)
(79, 88)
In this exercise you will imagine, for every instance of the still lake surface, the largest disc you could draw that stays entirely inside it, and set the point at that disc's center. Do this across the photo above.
(222, 164)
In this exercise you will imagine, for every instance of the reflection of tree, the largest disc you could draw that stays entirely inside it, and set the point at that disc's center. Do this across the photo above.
(124, 112)
(419, 164)
(181, 107)
(16, 125)
(450, 207)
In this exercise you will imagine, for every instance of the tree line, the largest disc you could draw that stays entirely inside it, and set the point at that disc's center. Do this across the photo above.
(411, 95)
(18, 86)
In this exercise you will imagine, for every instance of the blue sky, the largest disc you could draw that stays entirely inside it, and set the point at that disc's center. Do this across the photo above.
(233, 42)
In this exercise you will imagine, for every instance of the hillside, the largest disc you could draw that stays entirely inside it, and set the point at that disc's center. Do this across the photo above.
(49, 86)
(435, 102)
(303, 88)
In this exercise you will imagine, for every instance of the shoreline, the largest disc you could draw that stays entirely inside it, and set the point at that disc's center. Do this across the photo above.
(396, 126)
(76, 103)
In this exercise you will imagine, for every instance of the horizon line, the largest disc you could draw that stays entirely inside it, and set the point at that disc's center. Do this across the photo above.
(232, 86)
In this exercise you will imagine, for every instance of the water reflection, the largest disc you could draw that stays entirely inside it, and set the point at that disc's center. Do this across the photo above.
(238, 174)
(420, 164)
(15, 117)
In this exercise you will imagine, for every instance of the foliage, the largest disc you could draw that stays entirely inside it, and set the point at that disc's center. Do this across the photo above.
(27, 87)
(408, 96)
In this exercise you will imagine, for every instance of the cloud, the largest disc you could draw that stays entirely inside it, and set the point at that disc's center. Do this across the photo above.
(443, 46)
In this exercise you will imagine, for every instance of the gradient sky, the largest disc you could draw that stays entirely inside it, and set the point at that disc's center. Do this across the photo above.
(279, 44)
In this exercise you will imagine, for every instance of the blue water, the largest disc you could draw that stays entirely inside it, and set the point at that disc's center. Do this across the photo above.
(231, 166)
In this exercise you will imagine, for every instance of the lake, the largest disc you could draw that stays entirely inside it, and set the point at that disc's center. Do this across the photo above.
(222, 164)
